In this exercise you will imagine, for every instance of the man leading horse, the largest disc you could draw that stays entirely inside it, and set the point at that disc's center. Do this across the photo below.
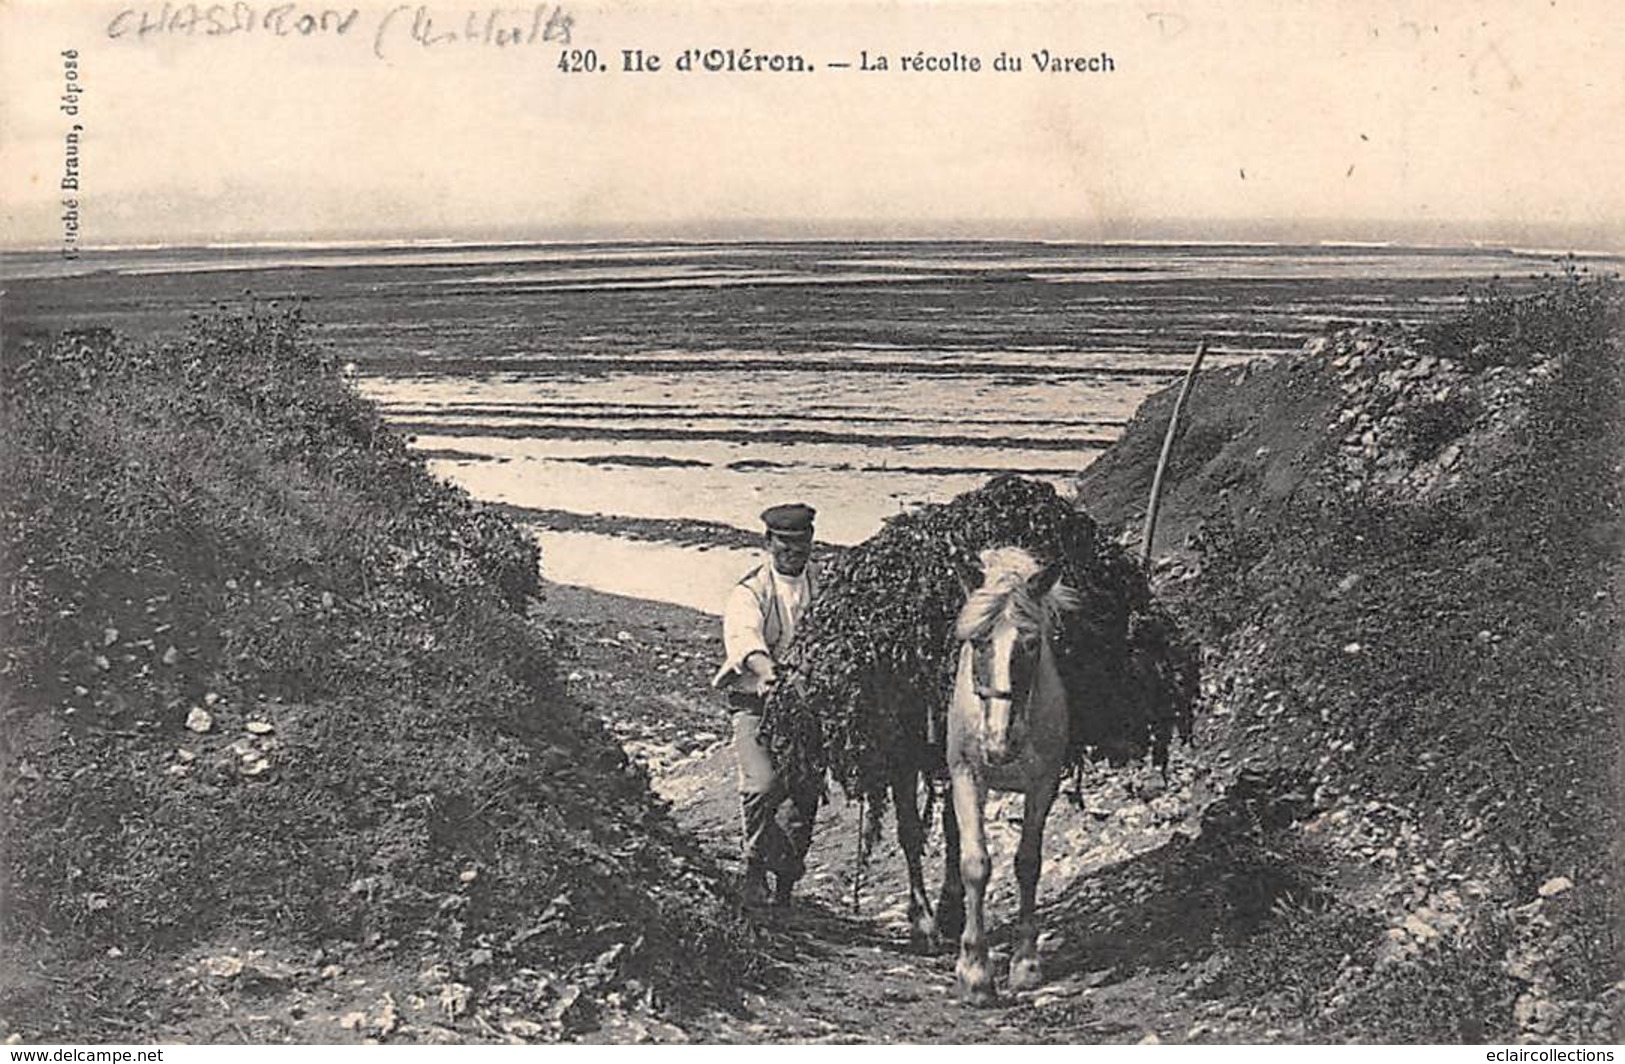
(757, 626)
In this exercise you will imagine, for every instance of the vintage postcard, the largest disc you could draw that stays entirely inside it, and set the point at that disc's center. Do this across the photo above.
(728, 521)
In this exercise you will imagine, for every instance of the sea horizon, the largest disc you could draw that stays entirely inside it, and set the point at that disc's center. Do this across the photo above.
(635, 381)
(375, 243)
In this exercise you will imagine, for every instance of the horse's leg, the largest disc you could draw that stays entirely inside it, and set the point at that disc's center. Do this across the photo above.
(975, 979)
(922, 928)
(951, 901)
(1025, 970)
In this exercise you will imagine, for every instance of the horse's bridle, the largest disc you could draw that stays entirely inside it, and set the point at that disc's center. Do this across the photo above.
(986, 693)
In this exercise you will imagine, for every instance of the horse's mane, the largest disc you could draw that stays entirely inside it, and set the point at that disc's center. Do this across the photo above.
(1006, 572)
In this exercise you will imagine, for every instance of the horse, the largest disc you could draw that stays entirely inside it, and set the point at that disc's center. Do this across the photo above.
(1008, 730)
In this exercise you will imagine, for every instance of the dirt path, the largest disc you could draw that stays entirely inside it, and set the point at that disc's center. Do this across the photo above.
(1137, 903)
(1131, 906)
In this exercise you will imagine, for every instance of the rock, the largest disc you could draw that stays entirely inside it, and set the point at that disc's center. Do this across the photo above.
(1420, 928)
(1555, 886)
(1150, 1039)
(109, 636)
(171, 656)
(353, 1021)
(260, 727)
(570, 1005)
(224, 967)
(387, 1018)
(199, 719)
(607, 961)
(454, 999)
(523, 1028)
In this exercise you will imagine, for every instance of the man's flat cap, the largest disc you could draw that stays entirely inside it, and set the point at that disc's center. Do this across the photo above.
(793, 519)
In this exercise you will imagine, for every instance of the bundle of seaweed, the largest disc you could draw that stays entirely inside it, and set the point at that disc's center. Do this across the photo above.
(865, 688)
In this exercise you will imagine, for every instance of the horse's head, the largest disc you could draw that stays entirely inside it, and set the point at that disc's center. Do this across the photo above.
(1007, 622)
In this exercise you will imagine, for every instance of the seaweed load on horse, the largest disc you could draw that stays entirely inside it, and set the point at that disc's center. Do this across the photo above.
(865, 690)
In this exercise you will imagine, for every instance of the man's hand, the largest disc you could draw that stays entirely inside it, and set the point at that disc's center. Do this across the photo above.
(762, 666)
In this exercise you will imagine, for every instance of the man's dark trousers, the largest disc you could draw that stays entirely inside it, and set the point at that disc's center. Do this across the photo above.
(778, 823)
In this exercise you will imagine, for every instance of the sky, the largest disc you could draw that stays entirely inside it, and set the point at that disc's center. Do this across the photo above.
(1221, 119)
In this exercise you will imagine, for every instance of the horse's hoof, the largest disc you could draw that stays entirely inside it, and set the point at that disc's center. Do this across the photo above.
(1026, 973)
(978, 995)
(975, 981)
(923, 937)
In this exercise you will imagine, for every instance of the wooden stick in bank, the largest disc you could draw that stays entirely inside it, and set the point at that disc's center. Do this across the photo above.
(1167, 448)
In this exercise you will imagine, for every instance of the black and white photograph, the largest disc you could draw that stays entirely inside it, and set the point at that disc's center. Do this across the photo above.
(805, 522)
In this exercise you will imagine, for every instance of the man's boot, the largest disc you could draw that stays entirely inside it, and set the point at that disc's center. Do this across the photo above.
(783, 886)
(753, 895)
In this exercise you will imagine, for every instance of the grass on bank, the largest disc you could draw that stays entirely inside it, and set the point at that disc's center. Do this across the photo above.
(264, 677)
(1447, 645)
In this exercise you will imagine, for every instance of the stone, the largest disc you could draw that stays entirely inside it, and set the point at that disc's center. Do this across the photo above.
(523, 1028)
(223, 967)
(1420, 928)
